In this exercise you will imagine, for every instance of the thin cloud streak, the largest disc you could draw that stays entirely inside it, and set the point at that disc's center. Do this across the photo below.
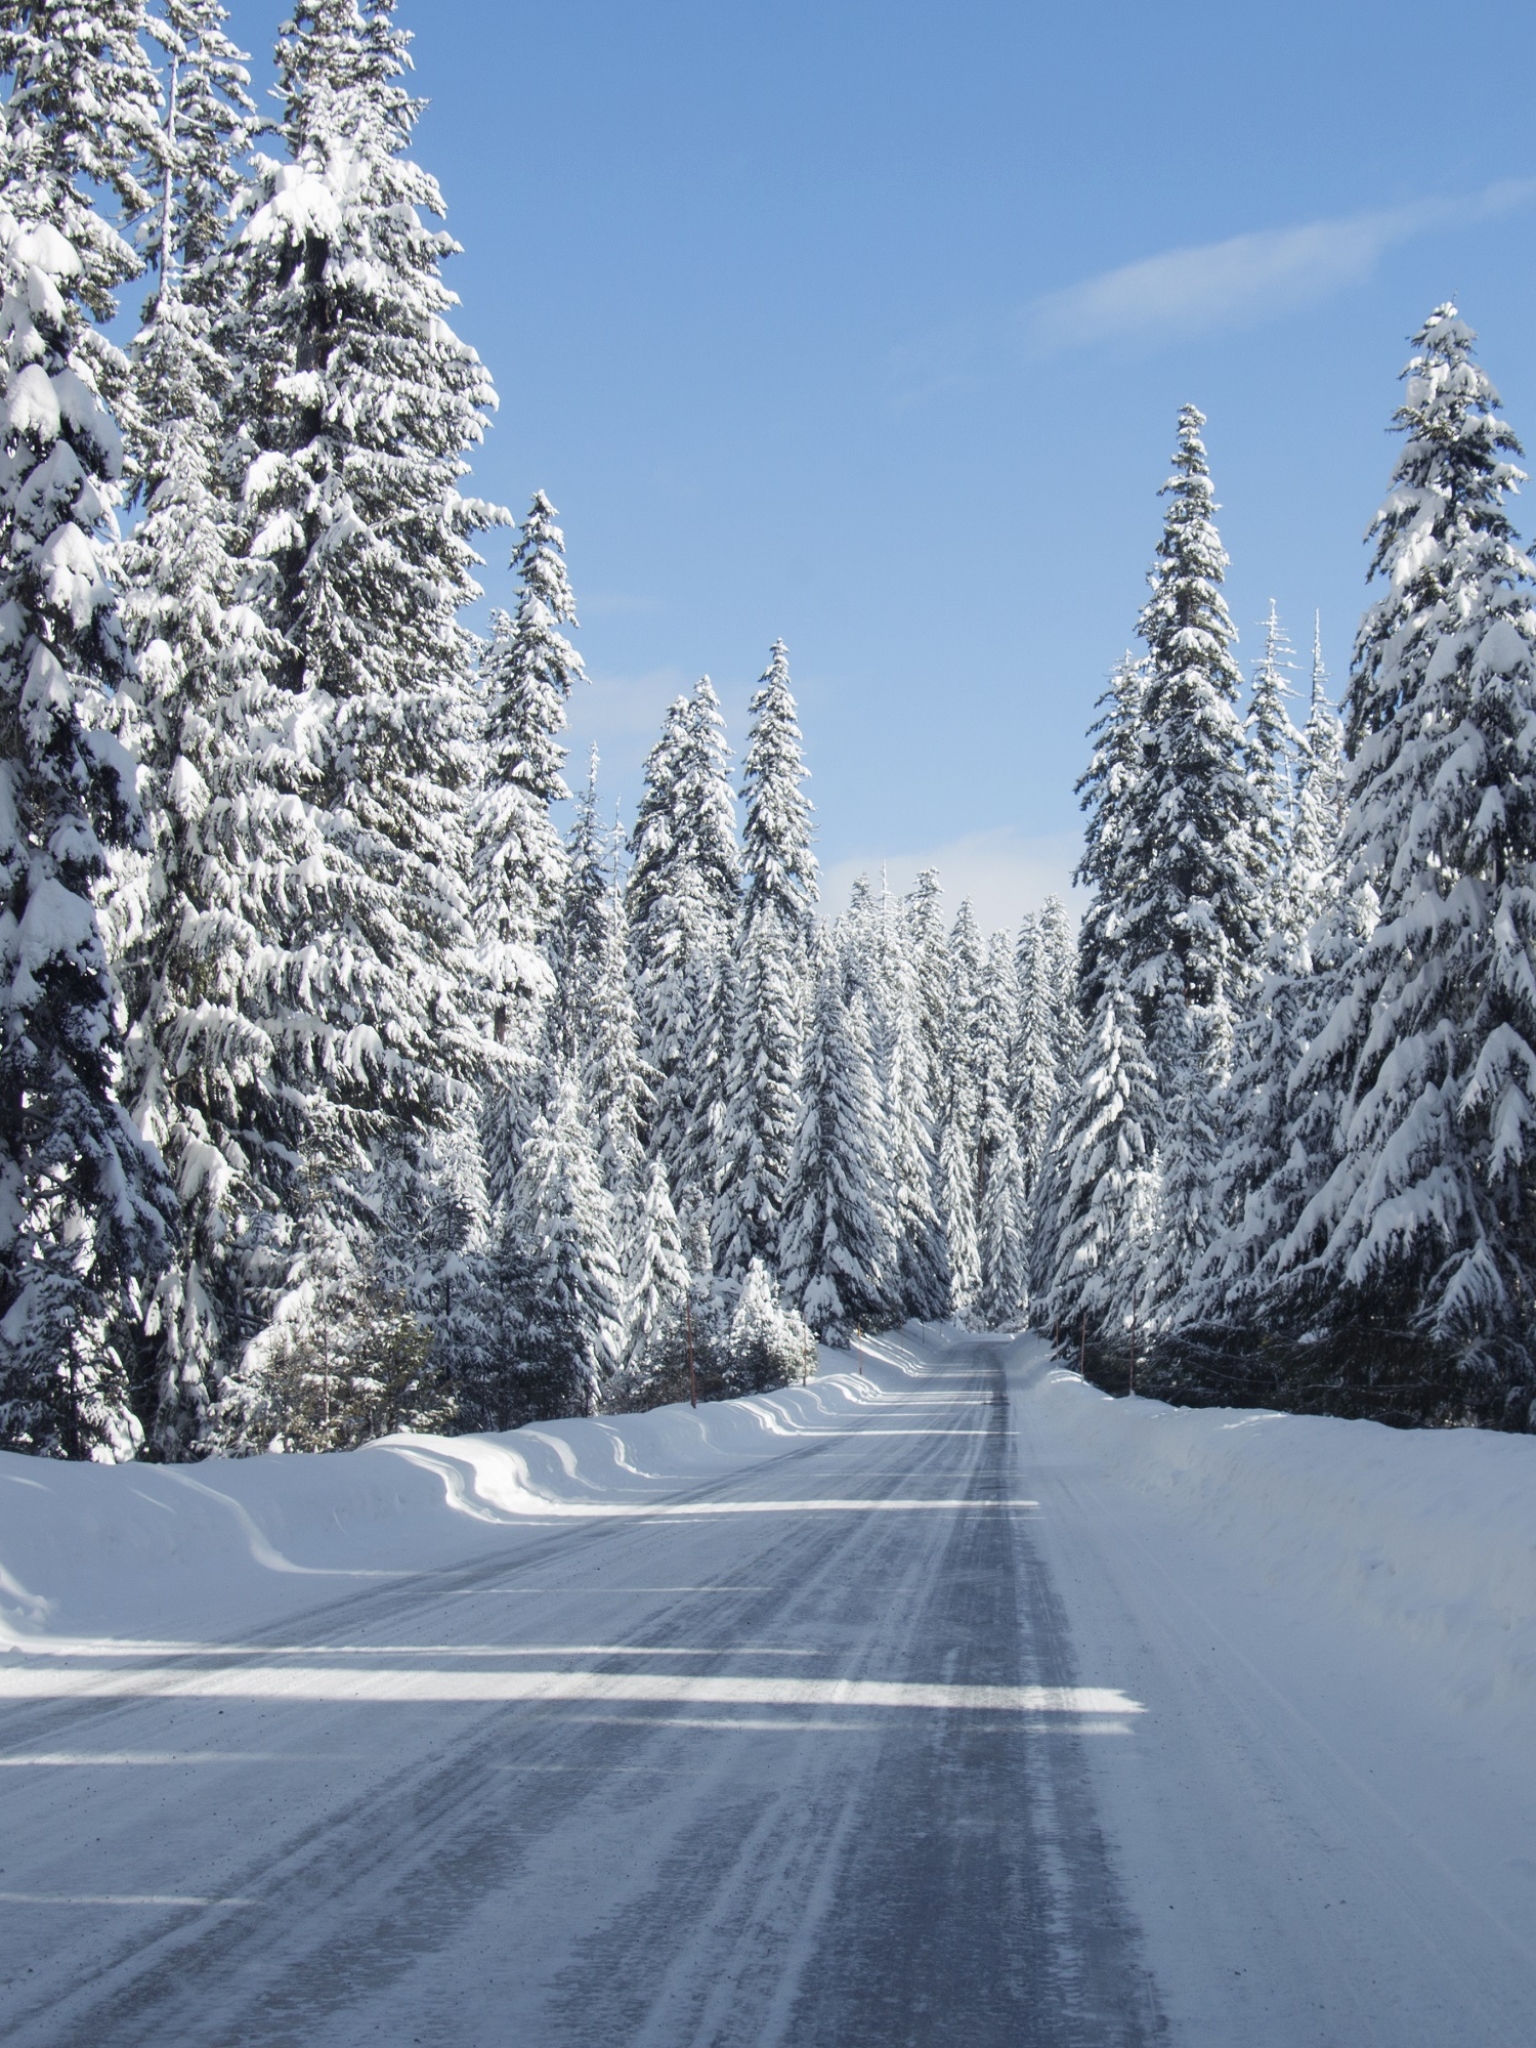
(1222, 284)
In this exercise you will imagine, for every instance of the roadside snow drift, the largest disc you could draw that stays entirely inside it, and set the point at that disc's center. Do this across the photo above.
(136, 1550)
(1428, 1536)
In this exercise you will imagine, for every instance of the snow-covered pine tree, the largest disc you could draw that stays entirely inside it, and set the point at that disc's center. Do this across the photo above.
(922, 1272)
(1072, 1244)
(1320, 801)
(521, 870)
(184, 919)
(832, 1229)
(768, 1345)
(928, 949)
(960, 1134)
(1428, 1053)
(564, 1287)
(656, 1276)
(575, 949)
(1190, 925)
(1109, 791)
(773, 949)
(356, 406)
(1255, 1184)
(1000, 1209)
(1106, 1199)
(778, 868)
(1059, 943)
(1271, 744)
(917, 1259)
(87, 1217)
(1034, 1082)
(684, 892)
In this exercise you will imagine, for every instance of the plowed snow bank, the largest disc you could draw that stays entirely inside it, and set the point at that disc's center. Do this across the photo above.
(233, 1542)
(1426, 1535)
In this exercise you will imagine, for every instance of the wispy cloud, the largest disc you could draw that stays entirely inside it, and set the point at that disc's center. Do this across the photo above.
(1246, 277)
(1181, 292)
(1003, 872)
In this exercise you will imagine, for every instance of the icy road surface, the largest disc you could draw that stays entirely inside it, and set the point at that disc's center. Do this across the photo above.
(933, 1727)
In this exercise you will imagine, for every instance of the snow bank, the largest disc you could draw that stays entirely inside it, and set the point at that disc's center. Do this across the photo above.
(168, 1551)
(1428, 1536)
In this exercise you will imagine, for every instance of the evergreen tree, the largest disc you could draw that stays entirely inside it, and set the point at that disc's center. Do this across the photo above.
(612, 1080)
(1320, 782)
(777, 910)
(928, 948)
(521, 873)
(960, 1141)
(86, 1215)
(356, 406)
(656, 1277)
(577, 944)
(1107, 1177)
(684, 892)
(1190, 923)
(1271, 745)
(183, 919)
(1426, 1056)
(1110, 791)
(1035, 1080)
(565, 1288)
(920, 1270)
(1000, 1208)
(778, 868)
(832, 1230)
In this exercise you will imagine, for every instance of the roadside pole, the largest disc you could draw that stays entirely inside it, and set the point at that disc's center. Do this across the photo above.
(693, 1382)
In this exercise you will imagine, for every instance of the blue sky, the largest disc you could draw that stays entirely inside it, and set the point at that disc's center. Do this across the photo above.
(867, 324)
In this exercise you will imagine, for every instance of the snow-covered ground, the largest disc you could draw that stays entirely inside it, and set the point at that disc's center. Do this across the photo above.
(953, 1701)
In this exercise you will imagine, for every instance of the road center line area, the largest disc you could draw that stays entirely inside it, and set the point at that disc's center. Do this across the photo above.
(896, 1736)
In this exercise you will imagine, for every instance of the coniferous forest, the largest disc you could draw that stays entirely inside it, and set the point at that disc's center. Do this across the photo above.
(345, 1091)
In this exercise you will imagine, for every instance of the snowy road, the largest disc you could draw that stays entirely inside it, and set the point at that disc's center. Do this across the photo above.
(918, 1732)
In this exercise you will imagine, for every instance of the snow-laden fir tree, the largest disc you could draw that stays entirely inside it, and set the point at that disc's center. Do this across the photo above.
(773, 949)
(919, 1261)
(1001, 1194)
(1059, 944)
(656, 1276)
(1107, 1182)
(927, 945)
(778, 868)
(684, 891)
(1320, 802)
(1262, 1178)
(612, 1078)
(768, 1345)
(565, 1292)
(1109, 791)
(1193, 1063)
(1428, 1053)
(86, 1215)
(960, 1138)
(183, 916)
(1039, 1068)
(832, 1227)
(1191, 848)
(356, 406)
(575, 947)
(1271, 745)
(521, 873)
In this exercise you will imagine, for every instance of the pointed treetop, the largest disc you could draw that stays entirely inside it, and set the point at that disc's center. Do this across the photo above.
(776, 854)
